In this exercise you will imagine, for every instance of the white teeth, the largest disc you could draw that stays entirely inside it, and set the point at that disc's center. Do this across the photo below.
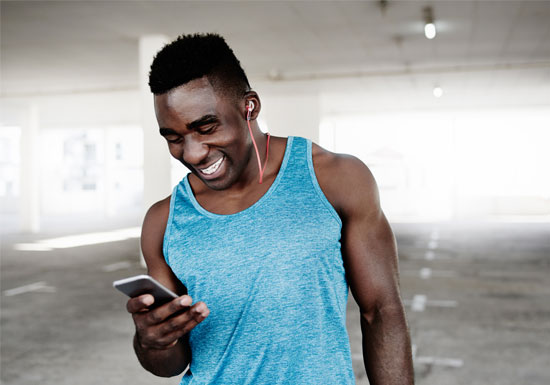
(212, 169)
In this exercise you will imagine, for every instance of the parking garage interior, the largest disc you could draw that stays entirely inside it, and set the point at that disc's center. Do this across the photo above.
(453, 120)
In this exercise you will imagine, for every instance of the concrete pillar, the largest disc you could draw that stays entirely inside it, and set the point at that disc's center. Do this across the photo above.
(292, 115)
(109, 209)
(29, 173)
(156, 158)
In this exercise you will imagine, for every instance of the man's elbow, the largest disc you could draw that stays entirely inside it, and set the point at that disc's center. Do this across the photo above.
(389, 310)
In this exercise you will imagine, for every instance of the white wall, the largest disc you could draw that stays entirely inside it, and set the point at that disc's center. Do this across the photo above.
(463, 164)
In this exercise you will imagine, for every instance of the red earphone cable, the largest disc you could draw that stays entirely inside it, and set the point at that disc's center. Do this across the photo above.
(262, 169)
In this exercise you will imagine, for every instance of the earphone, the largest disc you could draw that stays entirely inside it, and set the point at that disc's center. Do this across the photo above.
(249, 108)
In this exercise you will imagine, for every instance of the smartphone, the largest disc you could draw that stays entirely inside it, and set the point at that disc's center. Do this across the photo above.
(144, 284)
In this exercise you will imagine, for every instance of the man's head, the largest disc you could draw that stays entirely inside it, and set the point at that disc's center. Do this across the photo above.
(192, 57)
(201, 94)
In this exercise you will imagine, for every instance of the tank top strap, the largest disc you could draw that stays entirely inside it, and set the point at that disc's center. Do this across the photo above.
(299, 178)
(297, 167)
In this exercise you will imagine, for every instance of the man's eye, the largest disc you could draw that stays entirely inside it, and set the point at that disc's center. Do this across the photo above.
(206, 130)
(174, 140)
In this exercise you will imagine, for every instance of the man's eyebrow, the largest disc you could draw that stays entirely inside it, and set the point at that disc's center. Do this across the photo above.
(167, 131)
(206, 119)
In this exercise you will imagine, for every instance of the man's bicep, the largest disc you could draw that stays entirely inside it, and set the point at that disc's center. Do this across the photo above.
(371, 264)
(369, 248)
(368, 245)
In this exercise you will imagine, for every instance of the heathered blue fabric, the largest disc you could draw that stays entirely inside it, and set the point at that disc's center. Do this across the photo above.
(272, 276)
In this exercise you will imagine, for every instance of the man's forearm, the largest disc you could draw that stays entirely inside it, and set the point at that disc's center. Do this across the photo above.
(164, 363)
(387, 348)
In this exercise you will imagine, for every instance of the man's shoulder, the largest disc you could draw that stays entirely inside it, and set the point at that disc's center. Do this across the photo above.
(345, 180)
(152, 232)
(334, 162)
(160, 207)
(158, 213)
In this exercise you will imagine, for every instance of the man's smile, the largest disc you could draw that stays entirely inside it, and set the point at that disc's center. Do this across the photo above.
(213, 167)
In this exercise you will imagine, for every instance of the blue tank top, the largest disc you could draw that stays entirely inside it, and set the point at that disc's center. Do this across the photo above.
(273, 278)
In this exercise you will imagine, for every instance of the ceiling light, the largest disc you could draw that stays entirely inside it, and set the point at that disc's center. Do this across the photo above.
(438, 92)
(429, 26)
(429, 30)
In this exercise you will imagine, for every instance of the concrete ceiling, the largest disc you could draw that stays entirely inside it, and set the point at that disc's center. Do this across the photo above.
(333, 46)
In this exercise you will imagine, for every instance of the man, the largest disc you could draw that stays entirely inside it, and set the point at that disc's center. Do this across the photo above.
(268, 264)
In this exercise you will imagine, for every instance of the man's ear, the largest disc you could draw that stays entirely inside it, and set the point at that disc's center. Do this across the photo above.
(251, 105)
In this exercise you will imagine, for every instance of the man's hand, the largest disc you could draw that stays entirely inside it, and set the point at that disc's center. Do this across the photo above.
(161, 328)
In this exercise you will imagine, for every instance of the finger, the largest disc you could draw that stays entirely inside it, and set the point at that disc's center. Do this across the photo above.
(196, 314)
(194, 321)
(160, 336)
(200, 309)
(166, 311)
(187, 327)
(185, 322)
(137, 304)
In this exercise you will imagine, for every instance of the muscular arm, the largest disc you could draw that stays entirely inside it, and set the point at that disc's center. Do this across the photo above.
(370, 258)
(161, 341)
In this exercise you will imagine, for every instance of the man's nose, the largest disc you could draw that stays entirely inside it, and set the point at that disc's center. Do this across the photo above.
(194, 151)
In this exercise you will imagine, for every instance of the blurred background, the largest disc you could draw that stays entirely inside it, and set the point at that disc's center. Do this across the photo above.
(447, 102)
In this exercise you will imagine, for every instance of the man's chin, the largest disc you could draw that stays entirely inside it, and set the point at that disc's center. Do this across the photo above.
(217, 184)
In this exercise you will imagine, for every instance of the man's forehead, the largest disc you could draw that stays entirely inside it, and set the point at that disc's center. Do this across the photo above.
(198, 89)
(189, 101)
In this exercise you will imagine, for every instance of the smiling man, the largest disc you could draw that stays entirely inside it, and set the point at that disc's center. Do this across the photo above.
(262, 240)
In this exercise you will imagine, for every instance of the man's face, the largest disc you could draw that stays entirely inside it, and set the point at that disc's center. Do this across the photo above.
(206, 131)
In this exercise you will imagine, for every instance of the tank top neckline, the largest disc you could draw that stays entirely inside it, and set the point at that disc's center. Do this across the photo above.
(202, 210)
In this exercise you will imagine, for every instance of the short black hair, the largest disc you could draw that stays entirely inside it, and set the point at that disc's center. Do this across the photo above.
(193, 56)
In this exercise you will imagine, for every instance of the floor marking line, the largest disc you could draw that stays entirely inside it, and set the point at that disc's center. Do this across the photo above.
(442, 303)
(511, 274)
(36, 286)
(47, 289)
(81, 239)
(31, 247)
(420, 301)
(116, 266)
(426, 273)
(441, 361)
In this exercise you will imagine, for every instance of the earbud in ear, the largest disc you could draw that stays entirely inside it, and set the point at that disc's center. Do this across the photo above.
(250, 106)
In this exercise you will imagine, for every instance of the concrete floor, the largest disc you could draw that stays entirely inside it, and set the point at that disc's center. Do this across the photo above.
(477, 301)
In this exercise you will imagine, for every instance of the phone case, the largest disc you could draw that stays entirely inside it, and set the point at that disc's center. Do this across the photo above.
(144, 284)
